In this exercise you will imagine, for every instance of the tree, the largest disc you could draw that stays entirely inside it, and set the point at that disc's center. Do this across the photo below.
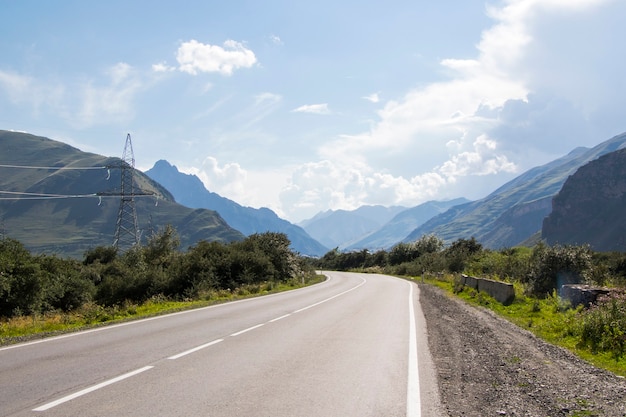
(552, 267)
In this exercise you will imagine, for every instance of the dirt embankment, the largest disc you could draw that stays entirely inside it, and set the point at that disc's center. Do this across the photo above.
(487, 366)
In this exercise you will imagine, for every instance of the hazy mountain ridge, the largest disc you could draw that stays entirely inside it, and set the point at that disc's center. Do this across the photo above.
(493, 222)
(590, 207)
(189, 191)
(70, 226)
(396, 229)
(340, 228)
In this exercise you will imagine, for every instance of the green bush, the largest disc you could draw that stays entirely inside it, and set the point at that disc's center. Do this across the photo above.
(553, 266)
(603, 326)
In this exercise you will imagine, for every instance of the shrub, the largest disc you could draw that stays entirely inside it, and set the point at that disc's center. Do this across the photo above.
(553, 266)
(603, 326)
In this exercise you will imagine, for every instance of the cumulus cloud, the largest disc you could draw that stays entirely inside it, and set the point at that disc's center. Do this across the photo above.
(227, 180)
(313, 108)
(194, 57)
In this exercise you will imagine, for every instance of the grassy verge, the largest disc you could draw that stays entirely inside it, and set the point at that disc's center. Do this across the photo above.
(24, 328)
(549, 318)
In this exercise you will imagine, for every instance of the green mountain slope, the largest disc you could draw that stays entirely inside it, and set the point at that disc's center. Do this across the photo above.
(54, 223)
(515, 211)
(590, 208)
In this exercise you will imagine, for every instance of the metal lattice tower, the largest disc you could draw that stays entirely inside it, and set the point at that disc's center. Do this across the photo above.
(126, 230)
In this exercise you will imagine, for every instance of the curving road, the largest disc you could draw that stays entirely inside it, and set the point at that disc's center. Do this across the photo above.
(354, 345)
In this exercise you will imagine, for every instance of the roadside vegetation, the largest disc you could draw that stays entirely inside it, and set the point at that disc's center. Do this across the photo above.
(596, 333)
(46, 294)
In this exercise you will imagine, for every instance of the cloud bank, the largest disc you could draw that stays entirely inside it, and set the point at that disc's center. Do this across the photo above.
(543, 70)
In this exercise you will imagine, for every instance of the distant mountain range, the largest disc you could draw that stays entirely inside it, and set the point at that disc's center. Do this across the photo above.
(395, 230)
(339, 228)
(67, 211)
(63, 212)
(189, 191)
(591, 206)
(514, 212)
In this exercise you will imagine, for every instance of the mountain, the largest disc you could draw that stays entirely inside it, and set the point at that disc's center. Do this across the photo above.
(515, 211)
(75, 208)
(396, 229)
(589, 209)
(190, 191)
(340, 228)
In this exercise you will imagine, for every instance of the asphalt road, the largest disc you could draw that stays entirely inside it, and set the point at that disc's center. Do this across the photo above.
(354, 345)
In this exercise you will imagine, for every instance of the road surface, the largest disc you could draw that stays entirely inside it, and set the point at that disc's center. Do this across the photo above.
(354, 345)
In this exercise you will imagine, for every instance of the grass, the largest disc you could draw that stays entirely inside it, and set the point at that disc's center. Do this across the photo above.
(549, 319)
(23, 328)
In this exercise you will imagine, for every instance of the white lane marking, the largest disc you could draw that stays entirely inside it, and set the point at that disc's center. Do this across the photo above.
(91, 389)
(197, 348)
(247, 330)
(413, 401)
(279, 318)
(330, 298)
(132, 322)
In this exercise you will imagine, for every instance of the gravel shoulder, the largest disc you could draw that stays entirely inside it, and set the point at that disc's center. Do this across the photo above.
(486, 366)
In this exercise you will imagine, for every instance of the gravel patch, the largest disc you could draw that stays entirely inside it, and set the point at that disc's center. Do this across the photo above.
(487, 366)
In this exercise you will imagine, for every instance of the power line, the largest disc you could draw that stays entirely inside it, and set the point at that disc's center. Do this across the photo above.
(65, 168)
(44, 196)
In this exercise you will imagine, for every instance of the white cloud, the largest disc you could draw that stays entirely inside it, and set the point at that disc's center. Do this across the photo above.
(247, 188)
(374, 98)
(325, 184)
(194, 57)
(527, 97)
(26, 90)
(85, 103)
(227, 179)
(162, 67)
(313, 108)
(109, 102)
(276, 40)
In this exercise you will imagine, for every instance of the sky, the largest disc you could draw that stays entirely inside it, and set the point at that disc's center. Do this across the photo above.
(304, 106)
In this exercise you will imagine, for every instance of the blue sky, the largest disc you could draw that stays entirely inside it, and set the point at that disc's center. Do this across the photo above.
(308, 106)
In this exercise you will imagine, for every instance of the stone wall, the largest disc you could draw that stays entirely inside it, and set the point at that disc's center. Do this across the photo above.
(503, 292)
(578, 294)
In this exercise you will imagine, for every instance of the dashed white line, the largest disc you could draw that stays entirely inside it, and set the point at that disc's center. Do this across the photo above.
(248, 329)
(197, 348)
(279, 318)
(330, 298)
(91, 389)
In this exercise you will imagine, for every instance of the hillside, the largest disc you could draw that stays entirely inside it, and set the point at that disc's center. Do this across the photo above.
(68, 226)
(396, 229)
(515, 211)
(189, 191)
(340, 228)
(590, 208)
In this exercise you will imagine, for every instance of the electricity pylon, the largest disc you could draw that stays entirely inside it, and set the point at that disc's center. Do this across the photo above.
(126, 230)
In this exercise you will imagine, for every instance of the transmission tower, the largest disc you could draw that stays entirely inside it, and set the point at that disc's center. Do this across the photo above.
(126, 230)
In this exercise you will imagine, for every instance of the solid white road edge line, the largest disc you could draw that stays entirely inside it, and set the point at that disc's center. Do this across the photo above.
(197, 348)
(91, 389)
(413, 401)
